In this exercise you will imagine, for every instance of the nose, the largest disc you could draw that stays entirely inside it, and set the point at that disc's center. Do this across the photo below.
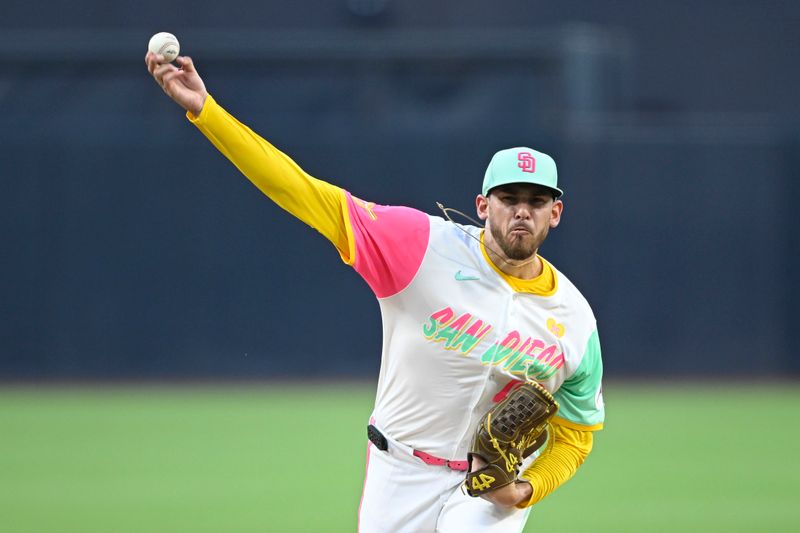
(522, 212)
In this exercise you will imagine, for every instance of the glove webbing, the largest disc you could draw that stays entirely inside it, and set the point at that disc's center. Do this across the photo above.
(510, 461)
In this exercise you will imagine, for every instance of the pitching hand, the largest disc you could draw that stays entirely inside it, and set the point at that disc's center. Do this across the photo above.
(507, 496)
(183, 84)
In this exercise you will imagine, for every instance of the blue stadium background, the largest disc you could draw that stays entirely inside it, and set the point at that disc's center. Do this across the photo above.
(132, 249)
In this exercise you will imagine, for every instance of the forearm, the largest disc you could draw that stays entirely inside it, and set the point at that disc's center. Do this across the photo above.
(557, 463)
(317, 203)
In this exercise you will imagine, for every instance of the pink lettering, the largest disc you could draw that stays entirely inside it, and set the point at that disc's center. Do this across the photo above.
(443, 316)
(478, 329)
(461, 321)
(558, 361)
(526, 162)
(537, 344)
(511, 341)
(546, 354)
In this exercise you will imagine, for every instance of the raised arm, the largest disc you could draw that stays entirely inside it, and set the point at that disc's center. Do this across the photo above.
(183, 84)
(317, 203)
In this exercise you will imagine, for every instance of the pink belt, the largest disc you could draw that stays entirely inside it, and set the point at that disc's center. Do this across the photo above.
(382, 443)
(438, 461)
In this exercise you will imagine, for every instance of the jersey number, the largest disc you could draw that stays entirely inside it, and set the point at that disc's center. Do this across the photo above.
(485, 482)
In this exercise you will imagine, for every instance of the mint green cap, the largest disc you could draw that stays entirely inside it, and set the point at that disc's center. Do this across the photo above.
(521, 165)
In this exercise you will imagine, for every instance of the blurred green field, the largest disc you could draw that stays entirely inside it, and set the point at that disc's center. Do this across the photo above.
(276, 458)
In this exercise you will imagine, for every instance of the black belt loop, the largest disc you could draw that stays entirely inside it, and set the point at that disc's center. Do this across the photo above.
(377, 438)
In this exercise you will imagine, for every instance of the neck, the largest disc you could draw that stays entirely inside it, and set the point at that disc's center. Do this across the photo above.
(519, 268)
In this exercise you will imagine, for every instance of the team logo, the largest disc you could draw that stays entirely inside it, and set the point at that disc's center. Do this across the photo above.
(555, 328)
(524, 356)
(526, 162)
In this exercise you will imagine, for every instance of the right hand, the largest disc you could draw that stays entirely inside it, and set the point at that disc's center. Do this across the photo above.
(183, 84)
(508, 496)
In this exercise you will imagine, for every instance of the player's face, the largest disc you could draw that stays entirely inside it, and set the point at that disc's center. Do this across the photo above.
(518, 217)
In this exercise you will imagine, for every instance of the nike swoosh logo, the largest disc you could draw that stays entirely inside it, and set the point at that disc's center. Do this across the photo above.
(462, 277)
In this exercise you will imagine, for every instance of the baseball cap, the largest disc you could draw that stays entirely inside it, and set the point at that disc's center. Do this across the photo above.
(521, 165)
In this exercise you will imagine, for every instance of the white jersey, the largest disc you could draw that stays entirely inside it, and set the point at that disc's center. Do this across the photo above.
(457, 336)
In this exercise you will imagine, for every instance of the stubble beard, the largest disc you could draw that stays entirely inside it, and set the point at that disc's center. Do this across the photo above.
(518, 248)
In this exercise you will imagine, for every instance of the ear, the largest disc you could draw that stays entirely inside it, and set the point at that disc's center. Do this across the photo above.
(482, 206)
(555, 213)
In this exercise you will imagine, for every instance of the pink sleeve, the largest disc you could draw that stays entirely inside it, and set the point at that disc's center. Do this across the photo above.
(390, 242)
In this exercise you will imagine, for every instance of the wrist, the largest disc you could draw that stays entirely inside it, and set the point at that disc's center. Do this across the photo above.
(524, 492)
(197, 109)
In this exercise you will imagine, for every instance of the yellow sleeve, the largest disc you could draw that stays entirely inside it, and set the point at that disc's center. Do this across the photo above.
(558, 462)
(317, 203)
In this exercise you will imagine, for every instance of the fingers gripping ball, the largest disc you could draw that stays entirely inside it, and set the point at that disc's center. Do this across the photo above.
(165, 44)
(511, 430)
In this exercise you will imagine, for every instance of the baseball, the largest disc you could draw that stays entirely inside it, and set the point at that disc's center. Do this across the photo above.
(165, 44)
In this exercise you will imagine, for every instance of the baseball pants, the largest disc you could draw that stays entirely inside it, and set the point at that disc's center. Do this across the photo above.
(402, 494)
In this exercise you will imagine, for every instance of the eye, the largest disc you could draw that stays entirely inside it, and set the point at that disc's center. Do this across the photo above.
(538, 201)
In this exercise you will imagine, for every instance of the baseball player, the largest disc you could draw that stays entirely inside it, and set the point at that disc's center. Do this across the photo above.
(469, 315)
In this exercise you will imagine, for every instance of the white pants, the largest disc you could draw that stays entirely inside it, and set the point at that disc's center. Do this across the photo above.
(402, 494)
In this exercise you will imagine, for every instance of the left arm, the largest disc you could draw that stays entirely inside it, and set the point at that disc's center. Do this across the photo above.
(581, 412)
(557, 463)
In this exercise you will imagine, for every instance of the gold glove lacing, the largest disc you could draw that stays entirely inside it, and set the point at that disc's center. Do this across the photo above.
(510, 460)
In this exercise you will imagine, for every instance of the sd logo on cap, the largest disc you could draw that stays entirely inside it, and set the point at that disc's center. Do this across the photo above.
(521, 165)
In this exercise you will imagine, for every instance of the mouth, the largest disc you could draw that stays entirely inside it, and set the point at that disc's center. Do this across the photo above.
(520, 231)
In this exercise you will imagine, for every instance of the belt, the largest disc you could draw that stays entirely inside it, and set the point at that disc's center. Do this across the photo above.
(380, 441)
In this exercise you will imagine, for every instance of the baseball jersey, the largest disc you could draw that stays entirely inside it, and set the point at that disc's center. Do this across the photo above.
(458, 333)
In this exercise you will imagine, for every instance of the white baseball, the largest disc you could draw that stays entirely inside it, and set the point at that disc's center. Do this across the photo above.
(165, 44)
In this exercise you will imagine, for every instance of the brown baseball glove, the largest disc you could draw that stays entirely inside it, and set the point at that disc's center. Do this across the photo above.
(511, 430)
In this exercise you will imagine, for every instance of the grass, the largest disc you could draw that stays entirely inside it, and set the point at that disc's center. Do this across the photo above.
(276, 458)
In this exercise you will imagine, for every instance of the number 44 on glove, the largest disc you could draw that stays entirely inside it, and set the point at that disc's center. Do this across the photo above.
(510, 431)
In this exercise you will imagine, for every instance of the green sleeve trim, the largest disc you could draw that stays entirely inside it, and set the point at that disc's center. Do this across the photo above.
(581, 395)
